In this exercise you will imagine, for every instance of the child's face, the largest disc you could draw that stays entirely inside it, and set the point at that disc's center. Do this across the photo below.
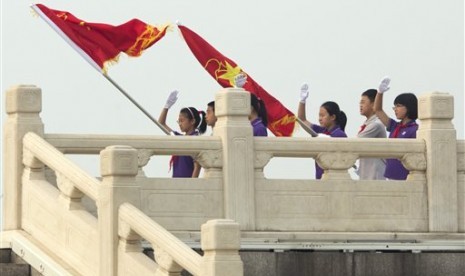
(400, 110)
(326, 120)
(185, 125)
(366, 106)
(210, 117)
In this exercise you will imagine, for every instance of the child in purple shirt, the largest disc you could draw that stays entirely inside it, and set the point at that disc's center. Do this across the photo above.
(191, 122)
(258, 116)
(406, 110)
(332, 120)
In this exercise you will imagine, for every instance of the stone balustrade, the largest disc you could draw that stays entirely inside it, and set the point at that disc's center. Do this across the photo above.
(430, 203)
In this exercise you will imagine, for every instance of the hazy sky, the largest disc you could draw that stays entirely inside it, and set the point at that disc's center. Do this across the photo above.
(340, 47)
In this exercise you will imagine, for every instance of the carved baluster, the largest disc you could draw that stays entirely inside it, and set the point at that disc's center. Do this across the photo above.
(70, 196)
(261, 160)
(166, 265)
(33, 167)
(212, 162)
(129, 241)
(416, 164)
(143, 158)
(336, 165)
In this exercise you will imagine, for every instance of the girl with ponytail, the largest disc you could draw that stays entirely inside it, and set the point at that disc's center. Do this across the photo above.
(331, 118)
(258, 116)
(191, 122)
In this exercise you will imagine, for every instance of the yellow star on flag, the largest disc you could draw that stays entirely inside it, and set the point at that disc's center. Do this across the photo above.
(230, 73)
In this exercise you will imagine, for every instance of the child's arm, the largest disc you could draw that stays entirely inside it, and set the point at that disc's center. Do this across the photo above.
(383, 87)
(172, 98)
(301, 110)
(196, 172)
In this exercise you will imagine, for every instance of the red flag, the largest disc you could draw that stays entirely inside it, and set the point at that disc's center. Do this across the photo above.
(99, 43)
(281, 121)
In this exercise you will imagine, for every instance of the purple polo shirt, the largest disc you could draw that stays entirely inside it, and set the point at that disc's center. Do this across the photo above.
(259, 129)
(394, 168)
(183, 166)
(336, 132)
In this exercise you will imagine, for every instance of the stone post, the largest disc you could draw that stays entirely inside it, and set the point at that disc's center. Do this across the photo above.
(232, 107)
(118, 167)
(436, 111)
(23, 104)
(221, 241)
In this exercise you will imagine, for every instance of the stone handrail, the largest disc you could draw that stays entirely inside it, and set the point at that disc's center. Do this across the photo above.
(158, 145)
(341, 154)
(54, 159)
(203, 147)
(367, 147)
(220, 243)
(157, 235)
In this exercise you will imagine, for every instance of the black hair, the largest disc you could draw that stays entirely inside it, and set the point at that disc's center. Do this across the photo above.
(333, 109)
(259, 106)
(198, 116)
(212, 105)
(409, 100)
(370, 94)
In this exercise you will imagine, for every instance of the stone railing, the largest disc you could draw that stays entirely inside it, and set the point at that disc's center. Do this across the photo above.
(220, 244)
(58, 219)
(430, 203)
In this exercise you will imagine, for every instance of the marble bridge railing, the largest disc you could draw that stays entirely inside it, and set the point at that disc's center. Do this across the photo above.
(428, 205)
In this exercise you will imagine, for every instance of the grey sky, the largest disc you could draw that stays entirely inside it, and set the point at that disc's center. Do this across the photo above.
(340, 47)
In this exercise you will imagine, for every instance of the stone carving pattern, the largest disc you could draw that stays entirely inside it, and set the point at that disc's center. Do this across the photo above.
(210, 159)
(144, 156)
(29, 160)
(442, 108)
(337, 160)
(414, 161)
(262, 159)
(67, 187)
(130, 239)
(165, 261)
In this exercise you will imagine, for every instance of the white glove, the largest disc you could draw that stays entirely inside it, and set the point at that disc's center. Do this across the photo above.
(384, 85)
(172, 98)
(304, 93)
(240, 80)
(322, 135)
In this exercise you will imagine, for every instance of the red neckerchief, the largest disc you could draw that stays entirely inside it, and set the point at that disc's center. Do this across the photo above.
(328, 132)
(401, 126)
(362, 127)
(174, 158)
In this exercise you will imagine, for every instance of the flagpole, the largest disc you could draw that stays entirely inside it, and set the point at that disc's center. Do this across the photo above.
(136, 104)
(306, 128)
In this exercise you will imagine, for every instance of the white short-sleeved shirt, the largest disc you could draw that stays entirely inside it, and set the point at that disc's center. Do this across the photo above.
(372, 168)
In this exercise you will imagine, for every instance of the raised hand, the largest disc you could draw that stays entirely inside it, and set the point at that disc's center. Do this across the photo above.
(172, 98)
(240, 80)
(384, 85)
(304, 93)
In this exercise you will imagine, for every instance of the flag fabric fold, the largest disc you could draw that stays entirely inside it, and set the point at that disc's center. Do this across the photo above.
(281, 121)
(101, 44)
